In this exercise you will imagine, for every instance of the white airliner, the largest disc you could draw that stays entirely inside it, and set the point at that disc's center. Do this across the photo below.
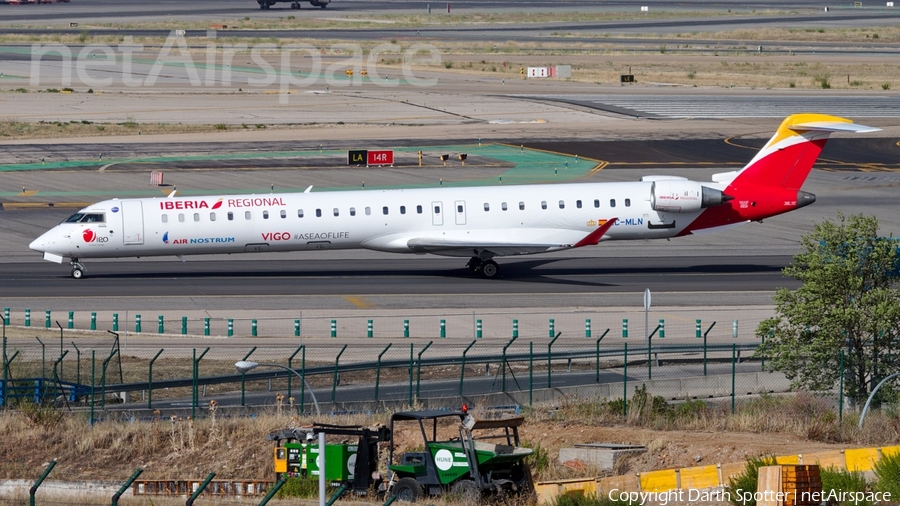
(476, 222)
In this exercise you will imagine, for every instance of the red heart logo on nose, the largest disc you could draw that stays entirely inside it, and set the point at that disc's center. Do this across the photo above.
(88, 235)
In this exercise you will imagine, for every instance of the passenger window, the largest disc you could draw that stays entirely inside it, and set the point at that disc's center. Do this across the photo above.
(336, 212)
(578, 204)
(597, 203)
(196, 216)
(562, 204)
(247, 215)
(212, 216)
(318, 213)
(368, 211)
(543, 204)
(181, 217)
(299, 213)
(384, 210)
(283, 214)
(265, 215)
(402, 209)
(612, 202)
(627, 202)
(230, 216)
(352, 211)
(487, 207)
(503, 206)
(165, 218)
(419, 209)
(521, 206)
(459, 208)
(437, 209)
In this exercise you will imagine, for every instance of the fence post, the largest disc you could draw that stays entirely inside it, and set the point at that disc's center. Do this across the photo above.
(40, 480)
(733, 367)
(290, 376)
(405, 328)
(243, 382)
(530, 373)
(478, 332)
(77, 364)
(625, 381)
(443, 328)
(550, 361)
(650, 353)
(115, 325)
(27, 317)
(419, 367)
(206, 326)
(462, 370)
(124, 487)
(410, 374)
(704, 345)
(503, 356)
(93, 383)
(378, 367)
(333, 328)
(93, 320)
(201, 488)
(587, 328)
(137, 323)
(230, 327)
(598, 353)
(253, 327)
(71, 320)
(334, 382)
(369, 332)
(196, 390)
(112, 354)
(161, 324)
(274, 490)
(150, 379)
(624, 328)
(184, 325)
(47, 319)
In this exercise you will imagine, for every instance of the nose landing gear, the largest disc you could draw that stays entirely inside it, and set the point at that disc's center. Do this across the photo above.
(77, 268)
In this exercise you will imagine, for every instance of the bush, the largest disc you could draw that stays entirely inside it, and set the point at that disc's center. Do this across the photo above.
(540, 459)
(39, 415)
(747, 480)
(886, 86)
(887, 471)
(302, 486)
(221, 126)
(841, 480)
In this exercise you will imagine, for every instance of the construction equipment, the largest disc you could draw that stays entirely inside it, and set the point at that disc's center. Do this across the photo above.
(353, 465)
(468, 466)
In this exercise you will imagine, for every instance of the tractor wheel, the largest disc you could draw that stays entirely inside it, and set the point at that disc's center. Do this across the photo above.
(407, 490)
(466, 491)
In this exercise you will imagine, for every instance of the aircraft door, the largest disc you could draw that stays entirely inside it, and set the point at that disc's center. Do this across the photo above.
(437, 217)
(460, 212)
(132, 222)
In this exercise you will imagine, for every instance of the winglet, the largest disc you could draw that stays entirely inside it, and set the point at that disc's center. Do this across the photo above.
(594, 237)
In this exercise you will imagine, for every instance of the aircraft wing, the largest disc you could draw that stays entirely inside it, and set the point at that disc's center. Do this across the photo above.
(467, 247)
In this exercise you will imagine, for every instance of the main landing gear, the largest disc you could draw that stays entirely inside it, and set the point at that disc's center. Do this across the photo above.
(488, 268)
(77, 268)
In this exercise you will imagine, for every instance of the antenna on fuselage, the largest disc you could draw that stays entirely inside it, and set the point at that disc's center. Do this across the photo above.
(308, 189)
(171, 194)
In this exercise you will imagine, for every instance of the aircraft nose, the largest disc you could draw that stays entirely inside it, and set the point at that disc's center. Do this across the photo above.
(38, 244)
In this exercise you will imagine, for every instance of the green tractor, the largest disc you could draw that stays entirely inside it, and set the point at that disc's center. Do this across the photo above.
(486, 458)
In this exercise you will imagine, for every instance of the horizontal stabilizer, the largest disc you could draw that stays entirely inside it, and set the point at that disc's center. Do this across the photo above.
(833, 126)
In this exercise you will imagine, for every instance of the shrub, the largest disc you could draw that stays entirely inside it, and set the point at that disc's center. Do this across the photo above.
(887, 471)
(301, 486)
(540, 459)
(747, 480)
(886, 86)
(221, 126)
(841, 480)
(39, 415)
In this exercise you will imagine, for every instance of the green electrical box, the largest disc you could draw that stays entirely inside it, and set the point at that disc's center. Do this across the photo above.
(340, 461)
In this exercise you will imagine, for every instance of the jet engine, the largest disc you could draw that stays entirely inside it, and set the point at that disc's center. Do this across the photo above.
(677, 196)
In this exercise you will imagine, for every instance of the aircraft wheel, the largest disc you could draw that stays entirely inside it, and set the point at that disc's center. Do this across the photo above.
(77, 272)
(407, 490)
(490, 269)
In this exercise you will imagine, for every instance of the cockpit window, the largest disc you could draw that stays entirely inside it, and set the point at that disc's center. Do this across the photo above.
(86, 218)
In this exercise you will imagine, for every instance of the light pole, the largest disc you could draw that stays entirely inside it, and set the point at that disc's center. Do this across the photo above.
(245, 366)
